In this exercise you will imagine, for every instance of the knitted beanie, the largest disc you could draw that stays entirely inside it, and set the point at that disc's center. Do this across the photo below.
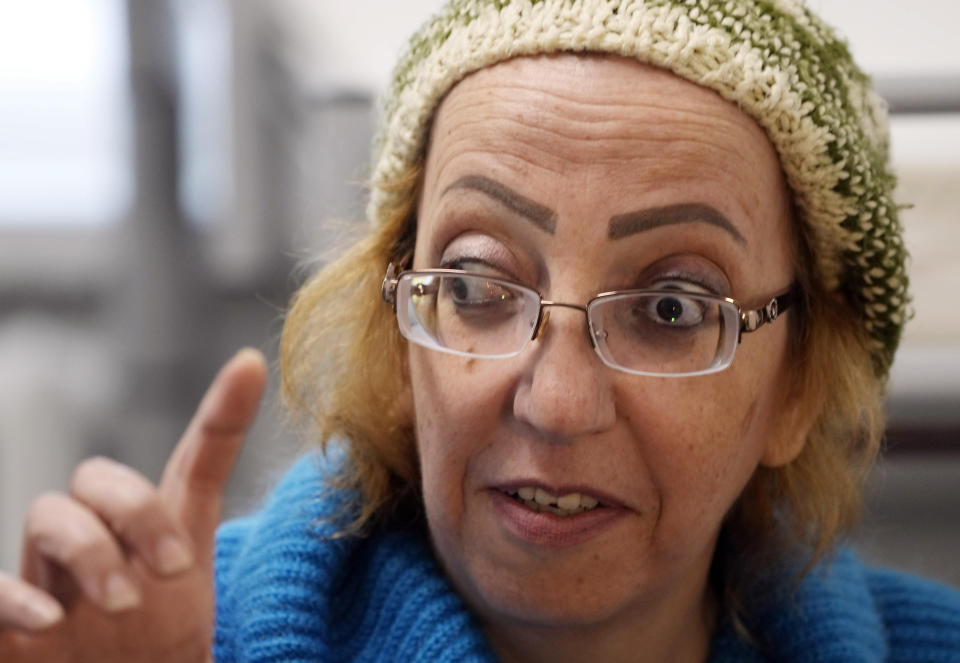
(773, 58)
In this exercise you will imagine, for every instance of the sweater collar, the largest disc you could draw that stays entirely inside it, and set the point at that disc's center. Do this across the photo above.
(301, 595)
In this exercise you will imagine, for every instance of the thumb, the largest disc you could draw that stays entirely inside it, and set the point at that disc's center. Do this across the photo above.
(197, 472)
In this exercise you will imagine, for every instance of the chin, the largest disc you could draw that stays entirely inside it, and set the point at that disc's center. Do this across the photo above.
(578, 593)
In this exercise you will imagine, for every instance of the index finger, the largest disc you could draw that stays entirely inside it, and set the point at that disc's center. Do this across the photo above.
(199, 467)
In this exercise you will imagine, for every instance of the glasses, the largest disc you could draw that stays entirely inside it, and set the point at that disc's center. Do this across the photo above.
(668, 332)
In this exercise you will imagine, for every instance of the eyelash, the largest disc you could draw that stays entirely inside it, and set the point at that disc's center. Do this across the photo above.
(687, 277)
(467, 262)
(457, 263)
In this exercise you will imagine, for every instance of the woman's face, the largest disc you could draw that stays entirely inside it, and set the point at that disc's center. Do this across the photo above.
(529, 162)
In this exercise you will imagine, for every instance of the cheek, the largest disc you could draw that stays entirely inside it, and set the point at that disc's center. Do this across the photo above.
(709, 441)
(454, 400)
(456, 406)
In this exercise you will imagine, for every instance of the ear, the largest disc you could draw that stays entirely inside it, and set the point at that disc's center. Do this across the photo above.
(795, 421)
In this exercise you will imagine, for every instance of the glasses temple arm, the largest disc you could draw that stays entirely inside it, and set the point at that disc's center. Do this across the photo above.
(388, 289)
(753, 320)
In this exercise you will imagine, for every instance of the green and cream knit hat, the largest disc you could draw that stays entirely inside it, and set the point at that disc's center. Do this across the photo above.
(773, 58)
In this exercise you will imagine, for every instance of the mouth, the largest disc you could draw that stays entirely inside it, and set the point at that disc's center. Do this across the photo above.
(541, 501)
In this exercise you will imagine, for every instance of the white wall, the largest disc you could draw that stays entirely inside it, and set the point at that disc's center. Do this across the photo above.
(353, 44)
(892, 37)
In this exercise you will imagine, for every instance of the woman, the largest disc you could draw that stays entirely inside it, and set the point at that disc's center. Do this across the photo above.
(599, 439)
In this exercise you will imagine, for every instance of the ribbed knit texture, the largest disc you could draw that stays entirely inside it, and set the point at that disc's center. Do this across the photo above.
(776, 60)
(846, 612)
(287, 592)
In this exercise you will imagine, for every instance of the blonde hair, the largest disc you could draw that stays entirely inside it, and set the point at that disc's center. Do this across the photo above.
(344, 365)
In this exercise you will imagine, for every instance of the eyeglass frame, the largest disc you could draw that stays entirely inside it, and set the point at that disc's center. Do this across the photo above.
(750, 320)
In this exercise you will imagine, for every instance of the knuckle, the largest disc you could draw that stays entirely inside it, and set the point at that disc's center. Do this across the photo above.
(44, 507)
(137, 513)
(114, 490)
(92, 469)
(140, 502)
(85, 548)
(59, 528)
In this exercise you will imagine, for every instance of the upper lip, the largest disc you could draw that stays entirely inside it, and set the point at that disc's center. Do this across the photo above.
(559, 490)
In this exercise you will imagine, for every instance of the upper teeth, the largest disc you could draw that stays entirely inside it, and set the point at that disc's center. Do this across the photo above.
(567, 504)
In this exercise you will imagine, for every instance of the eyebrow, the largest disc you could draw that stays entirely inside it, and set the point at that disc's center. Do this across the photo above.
(541, 216)
(631, 223)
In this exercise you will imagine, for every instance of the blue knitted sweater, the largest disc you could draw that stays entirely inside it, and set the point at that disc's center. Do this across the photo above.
(286, 592)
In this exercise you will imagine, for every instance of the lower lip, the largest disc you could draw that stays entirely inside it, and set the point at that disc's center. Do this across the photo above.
(549, 530)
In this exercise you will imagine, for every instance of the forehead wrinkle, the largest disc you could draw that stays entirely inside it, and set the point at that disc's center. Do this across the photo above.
(571, 105)
(577, 144)
(571, 98)
(504, 114)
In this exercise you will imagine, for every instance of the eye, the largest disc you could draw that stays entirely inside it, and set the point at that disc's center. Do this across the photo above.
(472, 290)
(678, 310)
(675, 310)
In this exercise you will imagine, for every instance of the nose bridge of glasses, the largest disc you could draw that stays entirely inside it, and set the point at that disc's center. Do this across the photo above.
(544, 318)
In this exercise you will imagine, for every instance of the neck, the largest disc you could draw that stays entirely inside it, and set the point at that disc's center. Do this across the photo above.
(679, 632)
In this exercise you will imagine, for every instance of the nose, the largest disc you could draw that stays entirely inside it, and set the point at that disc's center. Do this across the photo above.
(565, 390)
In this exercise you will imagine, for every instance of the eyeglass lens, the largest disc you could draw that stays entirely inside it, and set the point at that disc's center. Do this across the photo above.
(664, 332)
(467, 314)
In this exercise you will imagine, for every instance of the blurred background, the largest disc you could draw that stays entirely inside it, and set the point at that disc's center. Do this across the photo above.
(168, 170)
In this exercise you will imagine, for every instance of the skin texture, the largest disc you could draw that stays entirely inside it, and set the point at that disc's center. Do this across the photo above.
(588, 139)
(157, 539)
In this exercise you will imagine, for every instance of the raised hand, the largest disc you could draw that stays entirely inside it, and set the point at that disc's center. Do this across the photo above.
(121, 570)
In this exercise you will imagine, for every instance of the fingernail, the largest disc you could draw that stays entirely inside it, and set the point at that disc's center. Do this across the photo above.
(120, 593)
(42, 612)
(173, 556)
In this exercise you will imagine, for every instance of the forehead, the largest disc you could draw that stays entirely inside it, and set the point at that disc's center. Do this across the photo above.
(561, 124)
